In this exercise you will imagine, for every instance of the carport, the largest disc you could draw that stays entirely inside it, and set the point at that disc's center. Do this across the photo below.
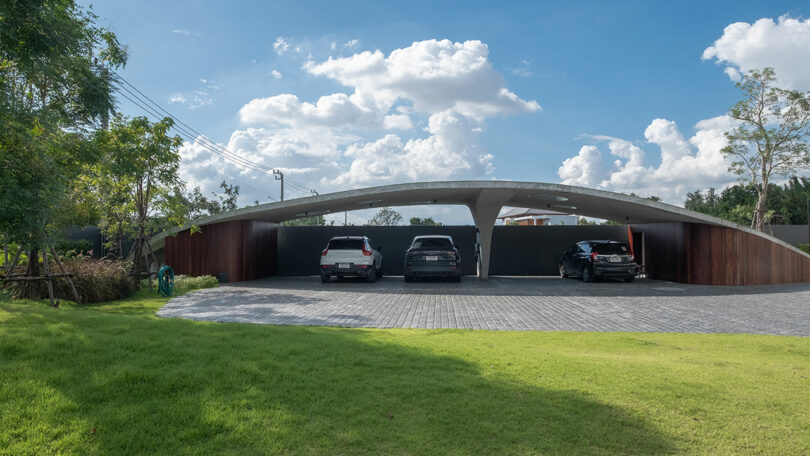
(682, 246)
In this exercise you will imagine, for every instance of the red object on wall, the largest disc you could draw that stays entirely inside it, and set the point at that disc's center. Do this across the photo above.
(245, 249)
(630, 240)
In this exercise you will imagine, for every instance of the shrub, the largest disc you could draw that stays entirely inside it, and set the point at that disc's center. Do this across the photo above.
(95, 280)
(66, 246)
(805, 247)
(184, 284)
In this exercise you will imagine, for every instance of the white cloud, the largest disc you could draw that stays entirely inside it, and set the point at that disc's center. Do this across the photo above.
(181, 32)
(783, 44)
(337, 110)
(586, 169)
(397, 122)
(451, 151)
(351, 44)
(434, 75)
(281, 45)
(275, 74)
(686, 165)
(524, 70)
(368, 135)
(178, 98)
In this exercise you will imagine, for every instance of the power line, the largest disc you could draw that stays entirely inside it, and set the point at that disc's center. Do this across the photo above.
(224, 151)
(183, 133)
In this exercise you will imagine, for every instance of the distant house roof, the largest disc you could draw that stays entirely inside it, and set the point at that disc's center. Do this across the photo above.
(523, 212)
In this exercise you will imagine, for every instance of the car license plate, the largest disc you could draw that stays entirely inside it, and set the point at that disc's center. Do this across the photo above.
(344, 265)
(615, 259)
(431, 258)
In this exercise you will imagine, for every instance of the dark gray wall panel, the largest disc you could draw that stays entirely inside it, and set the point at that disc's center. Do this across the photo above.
(516, 250)
(792, 234)
(299, 247)
(536, 250)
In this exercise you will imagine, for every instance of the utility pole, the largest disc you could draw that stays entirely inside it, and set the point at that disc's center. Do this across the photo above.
(314, 193)
(280, 176)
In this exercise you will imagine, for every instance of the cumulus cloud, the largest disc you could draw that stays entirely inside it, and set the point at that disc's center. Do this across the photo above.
(368, 134)
(337, 110)
(435, 75)
(686, 165)
(275, 74)
(451, 151)
(281, 45)
(783, 44)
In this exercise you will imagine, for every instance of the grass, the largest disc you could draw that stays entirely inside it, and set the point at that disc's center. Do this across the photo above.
(114, 379)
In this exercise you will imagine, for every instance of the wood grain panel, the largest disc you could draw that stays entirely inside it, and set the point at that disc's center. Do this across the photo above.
(245, 249)
(716, 255)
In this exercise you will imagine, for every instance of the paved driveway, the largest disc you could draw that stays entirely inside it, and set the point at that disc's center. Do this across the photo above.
(505, 303)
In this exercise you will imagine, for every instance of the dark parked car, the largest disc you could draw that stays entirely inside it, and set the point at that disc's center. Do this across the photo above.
(432, 256)
(597, 259)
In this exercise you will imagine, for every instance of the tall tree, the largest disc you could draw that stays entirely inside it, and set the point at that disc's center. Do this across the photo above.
(386, 217)
(771, 137)
(52, 90)
(139, 170)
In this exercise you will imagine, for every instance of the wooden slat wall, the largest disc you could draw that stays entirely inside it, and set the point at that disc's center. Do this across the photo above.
(245, 249)
(717, 255)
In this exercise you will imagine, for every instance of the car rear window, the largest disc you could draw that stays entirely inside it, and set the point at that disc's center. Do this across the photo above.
(611, 249)
(346, 244)
(432, 243)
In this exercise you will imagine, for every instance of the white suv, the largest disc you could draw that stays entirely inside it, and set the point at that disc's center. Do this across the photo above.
(351, 256)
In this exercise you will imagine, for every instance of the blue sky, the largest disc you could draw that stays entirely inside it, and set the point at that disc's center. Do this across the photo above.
(602, 73)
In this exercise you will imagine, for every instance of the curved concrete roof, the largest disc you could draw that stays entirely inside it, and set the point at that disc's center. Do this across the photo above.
(537, 195)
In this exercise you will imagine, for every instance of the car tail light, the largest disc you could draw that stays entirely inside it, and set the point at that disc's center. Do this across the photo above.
(595, 256)
(325, 251)
(365, 251)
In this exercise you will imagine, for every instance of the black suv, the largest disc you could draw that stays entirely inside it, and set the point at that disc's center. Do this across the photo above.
(596, 259)
(435, 256)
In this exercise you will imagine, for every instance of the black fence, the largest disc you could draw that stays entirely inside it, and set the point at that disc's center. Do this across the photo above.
(516, 250)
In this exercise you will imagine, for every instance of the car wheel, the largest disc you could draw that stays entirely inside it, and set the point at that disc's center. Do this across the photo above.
(629, 279)
(457, 278)
(563, 274)
(325, 278)
(587, 275)
(372, 275)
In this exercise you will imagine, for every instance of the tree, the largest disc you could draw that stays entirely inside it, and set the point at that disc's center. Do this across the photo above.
(427, 221)
(197, 205)
(315, 220)
(386, 217)
(770, 139)
(137, 174)
(52, 90)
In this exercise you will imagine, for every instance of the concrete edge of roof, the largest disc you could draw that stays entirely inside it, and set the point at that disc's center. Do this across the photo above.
(157, 241)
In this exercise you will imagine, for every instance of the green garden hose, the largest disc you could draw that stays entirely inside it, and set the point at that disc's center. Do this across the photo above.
(165, 280)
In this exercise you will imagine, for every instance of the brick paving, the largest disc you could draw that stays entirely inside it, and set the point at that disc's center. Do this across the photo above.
(505, 303)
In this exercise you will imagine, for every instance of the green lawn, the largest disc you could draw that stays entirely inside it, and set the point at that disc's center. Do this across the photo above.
(115, 379)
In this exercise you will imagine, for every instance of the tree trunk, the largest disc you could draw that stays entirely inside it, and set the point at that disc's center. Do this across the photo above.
(32, 290)
(760, 211)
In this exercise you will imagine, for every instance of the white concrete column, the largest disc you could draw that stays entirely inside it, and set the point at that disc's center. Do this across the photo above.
(485, 209)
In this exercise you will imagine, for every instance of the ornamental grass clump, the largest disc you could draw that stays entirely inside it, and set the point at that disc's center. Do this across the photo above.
(96, 280)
